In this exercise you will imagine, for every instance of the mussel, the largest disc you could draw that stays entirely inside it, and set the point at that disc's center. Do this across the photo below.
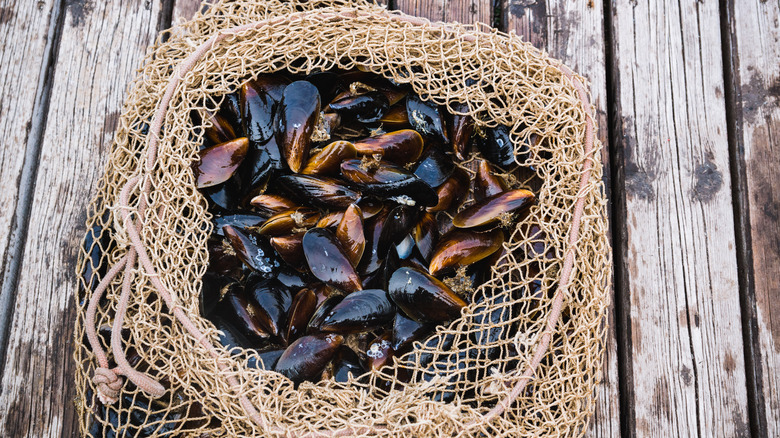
(253, 251)
(295, 121)
(359, 311)
(427, 118)
(350, 234)
(493, 208)
(462, 248)
(328, 261)
(327, 161)
(390, 181)
(423, 297)
(217, 163)
(398, 147)
(305, 358)
(320, 192)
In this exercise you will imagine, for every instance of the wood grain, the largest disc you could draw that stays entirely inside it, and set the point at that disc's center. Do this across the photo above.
(757, 32)
(680, 259)
(573, 32)
(462, 11)
(101, 47)
(184, 10)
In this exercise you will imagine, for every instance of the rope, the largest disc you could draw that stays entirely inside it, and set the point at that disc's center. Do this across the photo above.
(108, 381)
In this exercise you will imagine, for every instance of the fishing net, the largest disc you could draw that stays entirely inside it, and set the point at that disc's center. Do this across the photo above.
(149, 365)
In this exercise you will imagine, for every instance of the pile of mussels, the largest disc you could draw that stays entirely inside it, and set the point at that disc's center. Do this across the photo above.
(345, 224)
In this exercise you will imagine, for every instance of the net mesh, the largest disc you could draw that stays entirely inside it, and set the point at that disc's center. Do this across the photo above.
(473, 362)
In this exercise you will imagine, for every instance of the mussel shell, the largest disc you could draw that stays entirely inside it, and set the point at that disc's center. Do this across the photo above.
(327, 161)
(396, 116)
(329, 84)
(303, 306)
(257, 111)
(496, 145)
(296, 118)
(242, 314)
(266, 360)
(328, 261)
(257, 169)
(487, 182)
(97, 242)
(323, 309)
(289, 221)
(290, 249)
(462, 248)
(461, 129)
(253, 251)
(492, 316)
(426, 233)
(230, 336)
(319, 191)
(372, 258)
(221, 130)
(490, 209)
(307, 356)
(365, 108)
(268, 205)
(273, 304)
(427, 118)
(273, 84)
(536, 245)
(217, 163)
(230, 111)
(214, 287)
(435, 168)
(452, 191)
(407, 330)
(423, 297)
(359, 311)
(398, 147)
(400, 222)
(389, 181)
(224, 197)
(223, 259)
(292, 278)
(350, 234)
(405, 247)
(241, 220)
(380, 352)
(345, 364)
(452, 369)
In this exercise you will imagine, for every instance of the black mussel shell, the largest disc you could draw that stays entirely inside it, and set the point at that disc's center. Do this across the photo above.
(324, 308)
(273, 84)
(372, 258)
(380, 352)
(365, 108)
(303, 306)
(360, 311)
(328, 261)
(257, 170)
(257, 110)
(214, 287)
(290, 249)
(407, 330)
(496, 145)
(389, 181)
(423, 297)
(230, 111)
(491, 316)
(401, 221)
(319, 192)
(345, 364)
(452, 369)
(461, 129)
(292, 278)
(329, 84)
(97, 241)
(427, 118)
(231, 337)
(240, 220)
(296, 118)
(305, 358)
(426, 234)
(223, 260)
(266, 360)
(226, 196)
(267, 205)
(273, 305)
(254, 251)
(242, 313)
(435, 168)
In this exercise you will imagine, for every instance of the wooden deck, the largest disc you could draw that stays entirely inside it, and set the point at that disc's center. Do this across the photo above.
(688, 98)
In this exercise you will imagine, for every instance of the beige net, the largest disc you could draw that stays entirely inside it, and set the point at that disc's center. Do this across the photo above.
(523, 362)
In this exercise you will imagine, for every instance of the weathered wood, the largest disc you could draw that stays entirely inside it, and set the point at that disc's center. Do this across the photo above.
(756, 29)
(574, 33)
(101, 46)
(680, 261)
(462, 11)
(27, 33)
(184, 10)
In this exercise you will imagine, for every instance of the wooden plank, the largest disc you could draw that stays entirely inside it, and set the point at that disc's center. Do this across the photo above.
(756, 29)
(102, 44)
(573, 32)
(686, 345)
(462, 11)
(184, 10)
(27, 35)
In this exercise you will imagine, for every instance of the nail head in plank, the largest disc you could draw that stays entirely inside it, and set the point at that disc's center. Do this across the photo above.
(686, 358)
(101, 46)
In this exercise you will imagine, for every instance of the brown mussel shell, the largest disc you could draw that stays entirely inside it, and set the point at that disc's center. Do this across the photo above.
(253, 251)
(268, 205)
(461, 129)
(305, 358)
(388, 180)
(242, 314)
(380, 352)
(257, 110)
(218, 163)
(328, 261)
(452, 191)
(290, 249)
(426, 233)
(487, 182)
(395, 117)
(423, 297)
(359, 311)
(296, 118)
(491, 209)
(318, 191)
(398, 147)
(462, 248)
(327, 161)
(273, 304)
(221, 130)
(350, 234)
(289, 221)
(303, 306)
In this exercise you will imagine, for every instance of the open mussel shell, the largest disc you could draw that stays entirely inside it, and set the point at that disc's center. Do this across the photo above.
(398, 147)
(327, 161)
(268, 205)
(345, 364)
(427, 118)
(328, 261)
(317, 191)
(303, 306)
(242, 314)
(365, 108)
(423, 297)
(305, 358)
(400, 222)
(389, 181)
(493, 208)
(257, 111)
(296, 118)
(461, 129)
(359, 311)
(289, 221)
(290, 249)
(273, 304)
(407, 330)
(425, 234)
(380, 352)
(253, 251)
(452, 191)
(462, 248)
(487, 182)
(435, 168)
(350, 234)
(217, 163)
